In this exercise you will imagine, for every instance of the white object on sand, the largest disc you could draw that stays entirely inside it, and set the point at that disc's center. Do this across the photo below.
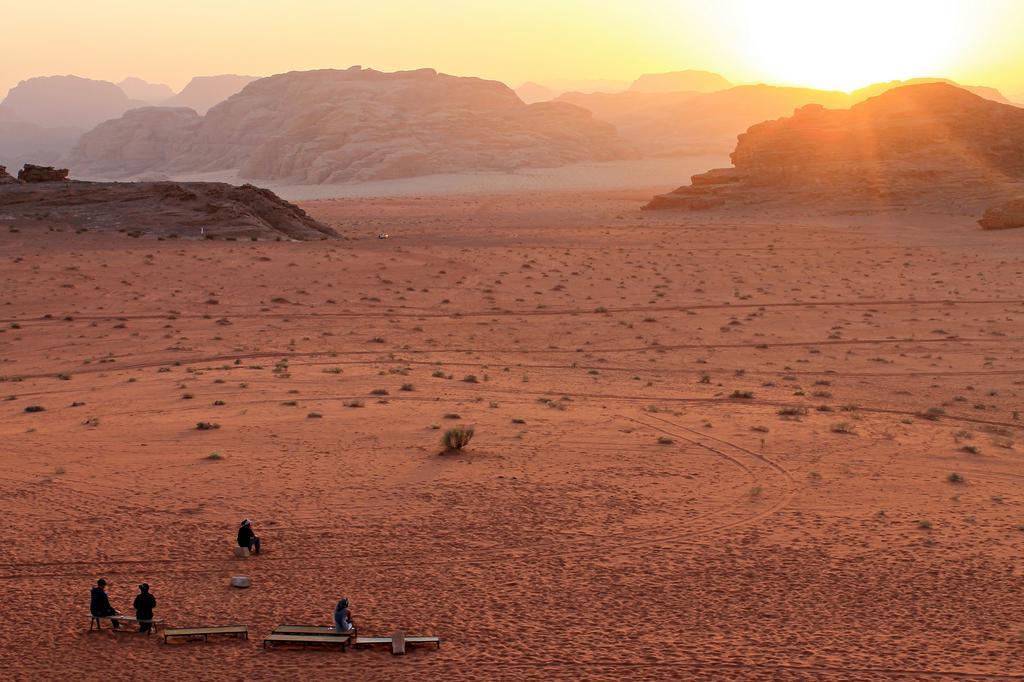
(240, 581)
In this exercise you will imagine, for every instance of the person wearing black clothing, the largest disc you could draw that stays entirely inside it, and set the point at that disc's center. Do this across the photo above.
(99, 603)
(144, 604)
(247, 538)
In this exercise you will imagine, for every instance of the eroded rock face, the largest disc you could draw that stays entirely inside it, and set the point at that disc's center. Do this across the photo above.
(5, 177)
(187, 209)
(1004, 216)
(33, 173)
(67, 102)
(204, 92)
(910, 144)
(330, 126)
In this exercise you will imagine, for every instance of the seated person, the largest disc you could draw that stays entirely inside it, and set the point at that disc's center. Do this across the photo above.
(144, 605)
(342, 618)
(247, 538)
(99, 603)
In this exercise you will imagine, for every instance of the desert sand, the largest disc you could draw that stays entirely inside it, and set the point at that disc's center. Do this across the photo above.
(708, 445)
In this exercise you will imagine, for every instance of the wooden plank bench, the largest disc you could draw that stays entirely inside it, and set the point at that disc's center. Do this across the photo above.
(304, 640)
(410, 640)
(239, 631)
(310, 630)
(95, 622)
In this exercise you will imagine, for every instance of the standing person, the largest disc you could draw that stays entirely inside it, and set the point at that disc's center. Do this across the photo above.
(99, 603)
(144, 604)
(342, 618)
(247, 538)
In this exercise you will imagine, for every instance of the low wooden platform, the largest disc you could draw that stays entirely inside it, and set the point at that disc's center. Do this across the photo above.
(322, 640)
(204, 632)
(95, 622)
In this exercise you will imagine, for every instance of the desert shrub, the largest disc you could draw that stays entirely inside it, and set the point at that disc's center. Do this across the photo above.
(842, 427)
(457, 438)
(35, 408)
(218, 403)
(742, 395)
(355, 403)
(665, 440)
(792, 412)
(470, 379)
(438, 374)
(207, 426)
(408, 387)
(379, 391)
(215, 456)
(955, 478)
(314, 415)
(931, 414)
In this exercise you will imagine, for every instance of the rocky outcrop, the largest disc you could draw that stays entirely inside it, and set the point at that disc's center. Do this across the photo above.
(535, 92)
(5, 177)
(881, 88)
(33, 173)
(190, 209)
(1004, 216)
(67, 102)
(910, 144)
(204, 92)
(332, 126)
(688, 123)
(680, 81)
(143, 91)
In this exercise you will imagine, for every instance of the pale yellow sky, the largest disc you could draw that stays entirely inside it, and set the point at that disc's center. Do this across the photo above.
(821, 43)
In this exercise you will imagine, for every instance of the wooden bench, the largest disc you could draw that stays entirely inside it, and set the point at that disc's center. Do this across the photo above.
(310, 630)
(239, 631)
(390, 641)
(304, 640)
(95, 622)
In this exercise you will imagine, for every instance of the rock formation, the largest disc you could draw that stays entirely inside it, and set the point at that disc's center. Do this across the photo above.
(880, 88)
(190, 209)
(33, 173)
(331, 126)
(686, 123)
(1004, 216)
(5, 177)
(150, 93)
(204, 92)
(535, 92)
(67, 102)
(931, 140)
(680, 81)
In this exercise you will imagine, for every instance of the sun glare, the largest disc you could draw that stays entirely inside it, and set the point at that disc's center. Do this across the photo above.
(845, 45)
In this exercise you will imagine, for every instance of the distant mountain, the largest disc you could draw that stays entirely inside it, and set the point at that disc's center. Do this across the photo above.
(680, 81)
(928, 142)
(204, 92)
(67, 101)
(309, 127)
(150, 93)
(681, 123)
(535, 92)
(880, 88)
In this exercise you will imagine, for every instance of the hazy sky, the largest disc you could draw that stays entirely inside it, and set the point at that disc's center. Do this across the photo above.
(823, 43)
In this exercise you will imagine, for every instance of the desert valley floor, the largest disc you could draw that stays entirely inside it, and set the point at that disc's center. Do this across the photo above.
(707, 446)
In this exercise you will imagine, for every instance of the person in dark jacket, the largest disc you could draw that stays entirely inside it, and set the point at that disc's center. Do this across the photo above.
(99, 603)
(144, 604)
(247, 538)
(342, 617)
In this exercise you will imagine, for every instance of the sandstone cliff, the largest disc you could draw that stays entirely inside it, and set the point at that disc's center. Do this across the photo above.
(912, 144)
(331, 126)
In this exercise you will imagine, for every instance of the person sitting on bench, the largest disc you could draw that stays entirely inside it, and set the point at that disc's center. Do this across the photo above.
(247, 538)
(342, 618)
(144, 604)
(99, 603)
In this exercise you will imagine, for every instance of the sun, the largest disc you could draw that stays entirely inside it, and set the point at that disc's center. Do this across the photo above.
(843, 45)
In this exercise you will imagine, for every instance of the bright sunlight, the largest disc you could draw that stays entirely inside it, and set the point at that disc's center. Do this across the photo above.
(846, 45)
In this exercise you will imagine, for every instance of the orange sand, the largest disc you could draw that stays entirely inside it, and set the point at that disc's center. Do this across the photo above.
(746, 545)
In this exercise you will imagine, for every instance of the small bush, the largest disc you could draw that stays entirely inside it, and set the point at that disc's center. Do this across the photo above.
(215, 456)
(35, 408)
(742, 395)
(842, 427)
(457, 438)
(955, 478)
(207, 426)
(355, 403)
(470, 379)
(408, 387)
(314, 415)
(379, 391)
(665, 440)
